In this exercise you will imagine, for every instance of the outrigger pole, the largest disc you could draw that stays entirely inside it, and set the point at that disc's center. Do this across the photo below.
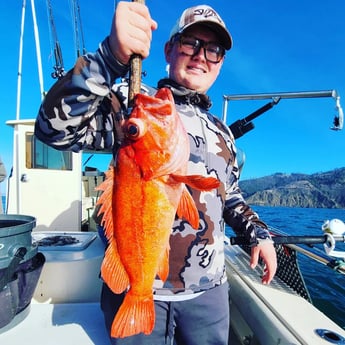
(240, 127)
(38, 49)
(38, 54)
(20, 62)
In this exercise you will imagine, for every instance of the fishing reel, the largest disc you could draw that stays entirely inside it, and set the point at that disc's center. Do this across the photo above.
(335, 231)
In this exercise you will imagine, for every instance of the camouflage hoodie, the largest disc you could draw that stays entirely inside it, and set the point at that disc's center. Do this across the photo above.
(77, 114)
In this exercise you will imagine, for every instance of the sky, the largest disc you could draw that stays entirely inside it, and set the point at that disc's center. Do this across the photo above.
(279, 46)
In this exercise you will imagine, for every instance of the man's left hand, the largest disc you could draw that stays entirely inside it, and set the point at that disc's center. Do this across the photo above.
(267, 252)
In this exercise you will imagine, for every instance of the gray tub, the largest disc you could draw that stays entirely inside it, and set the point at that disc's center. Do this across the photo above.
(15, 238)
(20, 266)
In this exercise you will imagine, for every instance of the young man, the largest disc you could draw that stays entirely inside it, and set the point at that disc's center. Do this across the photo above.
(192, 305)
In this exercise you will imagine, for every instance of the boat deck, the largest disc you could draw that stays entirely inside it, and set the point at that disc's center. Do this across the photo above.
(266, 315)
(56, 324)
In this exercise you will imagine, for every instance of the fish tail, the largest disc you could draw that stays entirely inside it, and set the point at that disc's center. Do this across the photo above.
(135, 315)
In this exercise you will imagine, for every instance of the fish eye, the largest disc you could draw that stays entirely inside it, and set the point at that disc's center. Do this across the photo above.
(135, 129)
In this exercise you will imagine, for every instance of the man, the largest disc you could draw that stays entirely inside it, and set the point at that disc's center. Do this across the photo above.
(192, 305)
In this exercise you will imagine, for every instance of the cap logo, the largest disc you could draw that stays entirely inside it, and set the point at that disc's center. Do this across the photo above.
(207, 13)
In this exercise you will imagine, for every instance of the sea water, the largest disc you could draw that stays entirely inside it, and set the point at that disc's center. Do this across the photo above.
(326, 286)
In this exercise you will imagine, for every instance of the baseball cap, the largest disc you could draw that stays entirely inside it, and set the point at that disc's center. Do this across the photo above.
(206, 15)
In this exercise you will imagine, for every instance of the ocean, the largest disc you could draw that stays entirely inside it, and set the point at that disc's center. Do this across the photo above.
(326, 287)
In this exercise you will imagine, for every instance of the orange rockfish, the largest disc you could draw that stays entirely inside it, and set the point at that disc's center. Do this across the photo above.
(141, 196)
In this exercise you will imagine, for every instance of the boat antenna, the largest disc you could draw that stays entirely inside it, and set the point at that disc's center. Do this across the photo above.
(78, 28)
(59, 70)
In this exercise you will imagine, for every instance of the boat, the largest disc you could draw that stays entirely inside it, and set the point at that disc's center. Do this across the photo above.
(60, 302)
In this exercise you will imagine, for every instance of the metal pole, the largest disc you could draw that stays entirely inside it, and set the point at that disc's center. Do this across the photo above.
(338, 119)
(299, 94)
(38, 49)
(20, 63)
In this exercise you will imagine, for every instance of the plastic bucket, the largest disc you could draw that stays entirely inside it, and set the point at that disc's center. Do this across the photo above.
(16, 296)
(20, 265)
(15, 238)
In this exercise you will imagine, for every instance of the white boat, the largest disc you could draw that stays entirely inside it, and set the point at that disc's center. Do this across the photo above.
(64, 306)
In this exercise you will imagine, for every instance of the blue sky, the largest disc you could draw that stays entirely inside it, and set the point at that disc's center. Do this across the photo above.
(279, 46)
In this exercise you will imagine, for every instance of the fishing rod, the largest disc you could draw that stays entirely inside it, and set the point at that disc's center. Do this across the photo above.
(287, 239)
(59, 69)
(334, 231)
(334, 264)
(78, 29)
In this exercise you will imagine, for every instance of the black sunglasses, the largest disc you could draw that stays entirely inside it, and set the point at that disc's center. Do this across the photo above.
(191, 46)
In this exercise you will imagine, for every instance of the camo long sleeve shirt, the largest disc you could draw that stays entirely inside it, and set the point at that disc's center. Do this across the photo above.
(77, 114)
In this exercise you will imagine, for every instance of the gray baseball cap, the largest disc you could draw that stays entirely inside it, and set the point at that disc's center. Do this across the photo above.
(206, 15)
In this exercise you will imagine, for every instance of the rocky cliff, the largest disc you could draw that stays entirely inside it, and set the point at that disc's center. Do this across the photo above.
(320, 190)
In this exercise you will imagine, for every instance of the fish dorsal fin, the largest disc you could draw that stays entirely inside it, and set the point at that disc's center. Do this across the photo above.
(105, 202)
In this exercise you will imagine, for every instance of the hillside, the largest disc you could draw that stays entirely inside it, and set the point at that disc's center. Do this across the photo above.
(320, 190)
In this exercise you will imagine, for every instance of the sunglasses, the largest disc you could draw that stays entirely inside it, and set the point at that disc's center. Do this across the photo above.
(191, 46)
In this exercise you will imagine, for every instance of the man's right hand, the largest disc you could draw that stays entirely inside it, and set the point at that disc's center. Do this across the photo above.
(131, 31)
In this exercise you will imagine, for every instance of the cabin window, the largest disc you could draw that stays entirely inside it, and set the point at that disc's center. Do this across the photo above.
(42, 156)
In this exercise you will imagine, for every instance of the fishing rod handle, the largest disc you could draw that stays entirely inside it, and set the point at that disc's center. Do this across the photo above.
(135, 73)
(309, 240)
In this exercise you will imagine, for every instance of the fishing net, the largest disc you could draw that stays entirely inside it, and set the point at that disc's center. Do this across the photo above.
(288, 269)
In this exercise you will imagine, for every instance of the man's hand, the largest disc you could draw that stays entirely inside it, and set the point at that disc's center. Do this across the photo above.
(131, 31)
(266, 251)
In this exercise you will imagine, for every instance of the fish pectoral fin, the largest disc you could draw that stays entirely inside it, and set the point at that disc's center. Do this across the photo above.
(136, 315)
(186, 209)
(113, 271)
(198, 182)
(163, 265)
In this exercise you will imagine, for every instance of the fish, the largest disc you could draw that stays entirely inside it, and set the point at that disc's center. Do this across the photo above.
(144, 190)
